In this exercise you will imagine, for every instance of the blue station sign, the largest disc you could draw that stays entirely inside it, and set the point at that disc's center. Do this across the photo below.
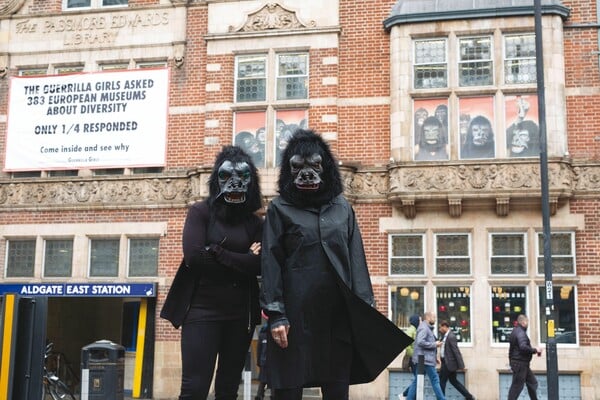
(80, 289)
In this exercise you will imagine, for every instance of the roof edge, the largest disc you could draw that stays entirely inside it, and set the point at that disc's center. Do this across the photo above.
(553, 9)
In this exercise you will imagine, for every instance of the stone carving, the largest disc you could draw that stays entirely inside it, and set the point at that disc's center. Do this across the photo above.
(9, 7)
(406, 186)
(271, 16)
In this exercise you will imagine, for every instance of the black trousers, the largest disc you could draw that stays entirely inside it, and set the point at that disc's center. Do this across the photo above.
(447, 375)
(201, 342)
(522, 375)
(330, 391)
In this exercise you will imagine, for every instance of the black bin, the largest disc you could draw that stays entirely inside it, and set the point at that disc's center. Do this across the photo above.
(102, 371)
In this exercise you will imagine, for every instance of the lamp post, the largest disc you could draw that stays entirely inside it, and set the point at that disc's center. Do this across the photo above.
(551, 355)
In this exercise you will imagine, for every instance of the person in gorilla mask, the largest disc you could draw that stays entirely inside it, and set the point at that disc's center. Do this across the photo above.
(214, 295)
(316, 287)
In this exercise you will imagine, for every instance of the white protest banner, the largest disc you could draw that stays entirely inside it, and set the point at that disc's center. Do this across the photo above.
(94, 120)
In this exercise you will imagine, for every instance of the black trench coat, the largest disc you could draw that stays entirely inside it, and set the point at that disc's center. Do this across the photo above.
(312, 262)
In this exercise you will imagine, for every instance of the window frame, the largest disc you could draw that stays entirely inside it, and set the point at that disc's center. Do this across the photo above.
(506, 59)
(522, 285)
(469, 255)
(460, 62)
(128, 265)
(8, 257)
(412, 288)
(466, 290)
(90, 249)
(93, 4)
(540, 292)
(525, 254)
(415, 64)
(270, 107)
(44, 256)
(539, 252)
(391, 256)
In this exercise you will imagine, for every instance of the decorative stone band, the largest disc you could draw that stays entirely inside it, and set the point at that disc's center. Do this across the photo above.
(500, 184)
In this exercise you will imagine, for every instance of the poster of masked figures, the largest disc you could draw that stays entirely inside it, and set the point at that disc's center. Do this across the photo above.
(476, 127)
(522, 129)
(431, 129)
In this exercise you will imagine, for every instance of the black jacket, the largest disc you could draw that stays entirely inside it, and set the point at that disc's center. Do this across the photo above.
(217, 263)
(452, 356)
(312, 262)
(520, 347)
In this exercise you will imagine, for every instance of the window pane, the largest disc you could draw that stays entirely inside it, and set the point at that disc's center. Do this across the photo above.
(21, 258)
(508, 254)
(476, 122)
(251, 79)
(78, 3)
(475, 67)
(286, 123)
(114, 2)
(104, 257)
(507, 303)
(68, 70)
(430, 69)
(565, 329)
(292, 76)
(454, 307)
(143, 257)
(407, 255)
(406, 301)
(519, 63)
(522, 134)
(561, 247)
(250, 135)
(58, 258)
(452, 254)
(33, 72)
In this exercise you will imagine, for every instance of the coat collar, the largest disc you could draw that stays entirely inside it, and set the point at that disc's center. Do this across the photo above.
(336, 200)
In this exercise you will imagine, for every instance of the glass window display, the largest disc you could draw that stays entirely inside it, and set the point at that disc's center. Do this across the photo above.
(565, 324)
(454, 305)
(507, 303)
(406, 301)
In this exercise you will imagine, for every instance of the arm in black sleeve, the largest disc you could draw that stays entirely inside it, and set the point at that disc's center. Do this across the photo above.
(197, 257)
(247, 263)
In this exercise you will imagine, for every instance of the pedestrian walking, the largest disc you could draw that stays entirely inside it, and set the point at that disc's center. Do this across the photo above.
(411, 332)
(452, 361)
(520, 353)
(426, 345)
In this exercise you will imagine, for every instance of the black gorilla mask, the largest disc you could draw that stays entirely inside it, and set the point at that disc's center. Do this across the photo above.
(234, 191)
(307, 171)
(309, 176)
(234, 180)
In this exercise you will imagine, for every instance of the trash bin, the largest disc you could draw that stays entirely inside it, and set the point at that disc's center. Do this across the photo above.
(102, 371)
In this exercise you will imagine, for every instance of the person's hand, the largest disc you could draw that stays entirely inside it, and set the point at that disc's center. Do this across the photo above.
(255, 248)
(539, 351)
(280, 335)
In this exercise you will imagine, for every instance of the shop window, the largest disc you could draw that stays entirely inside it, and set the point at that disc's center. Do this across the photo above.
(104, 257)
(406, 301)
(454, 307)
(508, 252)
(519, 59)
(475, 65)
(562, 247)
(58, 257)
(267, 121)
(20, 258)
(565, 324)
(452, 254)
(407, 255)
(508, 302)
(143, 257)
(430, 64)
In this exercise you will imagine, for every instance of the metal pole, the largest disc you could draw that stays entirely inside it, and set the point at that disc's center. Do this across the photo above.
(551, 355)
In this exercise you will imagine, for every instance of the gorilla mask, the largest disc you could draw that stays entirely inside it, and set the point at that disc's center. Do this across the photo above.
(234, 180)
(234, 190)
(307, 171)
(309, 176)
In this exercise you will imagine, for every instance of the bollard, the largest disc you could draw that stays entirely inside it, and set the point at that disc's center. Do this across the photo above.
(421, 378)
(247, 377)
